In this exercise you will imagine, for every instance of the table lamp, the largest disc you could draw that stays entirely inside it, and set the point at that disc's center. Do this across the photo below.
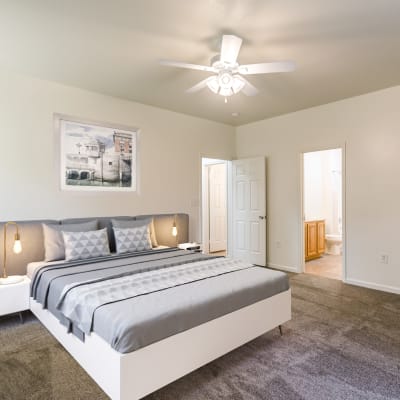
(175, 231)
(17, 248)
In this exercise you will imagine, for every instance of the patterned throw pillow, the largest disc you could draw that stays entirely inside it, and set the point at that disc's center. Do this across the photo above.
(132, 239)
(82, 245)
(123, 224)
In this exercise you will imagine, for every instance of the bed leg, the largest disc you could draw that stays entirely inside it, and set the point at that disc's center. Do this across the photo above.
(21, 317)
(280, 330)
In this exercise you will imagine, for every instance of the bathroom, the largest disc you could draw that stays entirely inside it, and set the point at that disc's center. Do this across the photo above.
(322, 191)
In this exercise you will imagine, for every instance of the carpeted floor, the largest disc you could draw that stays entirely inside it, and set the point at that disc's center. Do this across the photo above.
(343, 343)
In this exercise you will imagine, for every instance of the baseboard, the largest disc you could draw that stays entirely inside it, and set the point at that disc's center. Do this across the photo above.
(283, 268)
(371, 285)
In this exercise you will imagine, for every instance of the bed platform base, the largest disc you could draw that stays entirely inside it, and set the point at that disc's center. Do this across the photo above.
(134, 375)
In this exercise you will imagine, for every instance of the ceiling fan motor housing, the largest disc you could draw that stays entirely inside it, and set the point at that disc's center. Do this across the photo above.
(220, 65)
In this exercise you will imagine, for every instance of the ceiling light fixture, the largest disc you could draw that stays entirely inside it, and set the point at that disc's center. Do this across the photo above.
(225, 83)
(228, 79)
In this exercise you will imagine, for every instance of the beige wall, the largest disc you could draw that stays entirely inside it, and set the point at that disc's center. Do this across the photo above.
(170, 148)
(369, 127)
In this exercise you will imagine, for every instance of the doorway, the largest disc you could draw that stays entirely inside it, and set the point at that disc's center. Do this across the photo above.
(323, 213)
(214, 206)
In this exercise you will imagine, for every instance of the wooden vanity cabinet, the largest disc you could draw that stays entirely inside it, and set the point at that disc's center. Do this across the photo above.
(314, 239)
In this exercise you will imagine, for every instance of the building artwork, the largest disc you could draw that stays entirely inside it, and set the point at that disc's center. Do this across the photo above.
(99, 156)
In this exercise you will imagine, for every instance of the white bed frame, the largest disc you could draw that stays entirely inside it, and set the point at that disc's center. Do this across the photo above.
(134, 375)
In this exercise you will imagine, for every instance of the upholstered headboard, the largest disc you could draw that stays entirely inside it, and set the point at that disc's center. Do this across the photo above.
(32, 241)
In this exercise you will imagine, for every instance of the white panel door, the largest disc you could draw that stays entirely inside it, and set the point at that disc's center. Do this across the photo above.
(249, 210)
(217, 207)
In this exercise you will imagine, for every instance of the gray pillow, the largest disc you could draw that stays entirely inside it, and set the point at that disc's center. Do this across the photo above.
(129, 240)
(83, 245)
(123, 223)
(53, 240)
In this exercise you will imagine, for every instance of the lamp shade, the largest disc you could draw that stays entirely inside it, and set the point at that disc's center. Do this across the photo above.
(237, 83)
(17, 248)
(213, 84)
(225, 84)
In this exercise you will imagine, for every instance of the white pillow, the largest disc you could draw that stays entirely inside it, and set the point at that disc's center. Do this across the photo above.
(132, 239)
(83, 245)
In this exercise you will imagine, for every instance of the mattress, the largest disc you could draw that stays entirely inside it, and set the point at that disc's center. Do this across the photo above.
(136, 321)
(32, 267)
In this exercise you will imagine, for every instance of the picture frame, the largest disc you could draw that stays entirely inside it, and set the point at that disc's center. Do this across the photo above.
(96, 156)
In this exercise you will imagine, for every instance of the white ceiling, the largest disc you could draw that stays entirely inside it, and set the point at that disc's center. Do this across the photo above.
(342, 48)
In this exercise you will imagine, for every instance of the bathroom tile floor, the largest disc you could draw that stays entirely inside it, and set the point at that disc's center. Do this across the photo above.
(328, 265)
(219, 253)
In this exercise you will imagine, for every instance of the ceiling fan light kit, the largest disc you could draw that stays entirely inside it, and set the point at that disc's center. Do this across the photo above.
(228, 79)
(225, 84)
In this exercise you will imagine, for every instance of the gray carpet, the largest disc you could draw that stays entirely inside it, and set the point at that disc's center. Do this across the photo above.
(342, 343)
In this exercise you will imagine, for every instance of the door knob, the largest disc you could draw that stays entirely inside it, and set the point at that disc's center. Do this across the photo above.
(262, 217)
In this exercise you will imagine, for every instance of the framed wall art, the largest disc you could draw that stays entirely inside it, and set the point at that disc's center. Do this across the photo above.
(96, 156)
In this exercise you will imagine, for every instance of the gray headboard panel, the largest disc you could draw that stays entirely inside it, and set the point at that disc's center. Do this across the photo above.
(33, 243)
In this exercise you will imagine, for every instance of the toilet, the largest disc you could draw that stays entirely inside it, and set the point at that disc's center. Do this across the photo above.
(333, 244)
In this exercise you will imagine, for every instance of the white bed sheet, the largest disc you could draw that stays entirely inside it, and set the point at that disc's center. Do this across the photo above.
(33, 266)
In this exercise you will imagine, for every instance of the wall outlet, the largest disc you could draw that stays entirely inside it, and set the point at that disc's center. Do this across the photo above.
(384, 258)
(278, 244)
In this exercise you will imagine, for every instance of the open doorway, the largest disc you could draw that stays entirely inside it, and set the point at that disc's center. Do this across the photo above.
(214, 206)
(323, 213)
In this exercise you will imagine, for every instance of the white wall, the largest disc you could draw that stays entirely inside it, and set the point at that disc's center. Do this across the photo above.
(313, 187)
(170, 149)
(369, 127)
(322, 188)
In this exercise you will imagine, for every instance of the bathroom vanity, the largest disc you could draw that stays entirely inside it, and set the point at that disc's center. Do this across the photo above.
(314, 239)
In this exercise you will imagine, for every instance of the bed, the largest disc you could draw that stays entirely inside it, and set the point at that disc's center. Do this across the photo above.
(177, 310)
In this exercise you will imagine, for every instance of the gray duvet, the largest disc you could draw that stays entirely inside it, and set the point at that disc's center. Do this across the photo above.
(133, 301)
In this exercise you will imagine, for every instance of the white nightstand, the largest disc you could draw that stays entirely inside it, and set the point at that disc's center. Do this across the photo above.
(14, 298)
(196, 247)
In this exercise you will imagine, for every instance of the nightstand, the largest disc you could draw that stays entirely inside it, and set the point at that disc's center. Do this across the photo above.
(196, 247)
(14, 298)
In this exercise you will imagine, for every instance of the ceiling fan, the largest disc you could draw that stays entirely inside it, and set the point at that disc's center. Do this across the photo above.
(228, 79)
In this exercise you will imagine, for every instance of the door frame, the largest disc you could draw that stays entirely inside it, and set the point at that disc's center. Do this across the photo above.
(302, 263)
(204, 205)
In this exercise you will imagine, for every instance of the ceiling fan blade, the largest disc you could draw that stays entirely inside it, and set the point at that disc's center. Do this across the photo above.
(201, 85)
(230, 48)
(248, 88)
(267, 68)
(179, 64)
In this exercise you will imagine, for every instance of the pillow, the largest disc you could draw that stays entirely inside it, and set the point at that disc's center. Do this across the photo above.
(132, 239)
(53, 240)
(119, 223)
(83, 245)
